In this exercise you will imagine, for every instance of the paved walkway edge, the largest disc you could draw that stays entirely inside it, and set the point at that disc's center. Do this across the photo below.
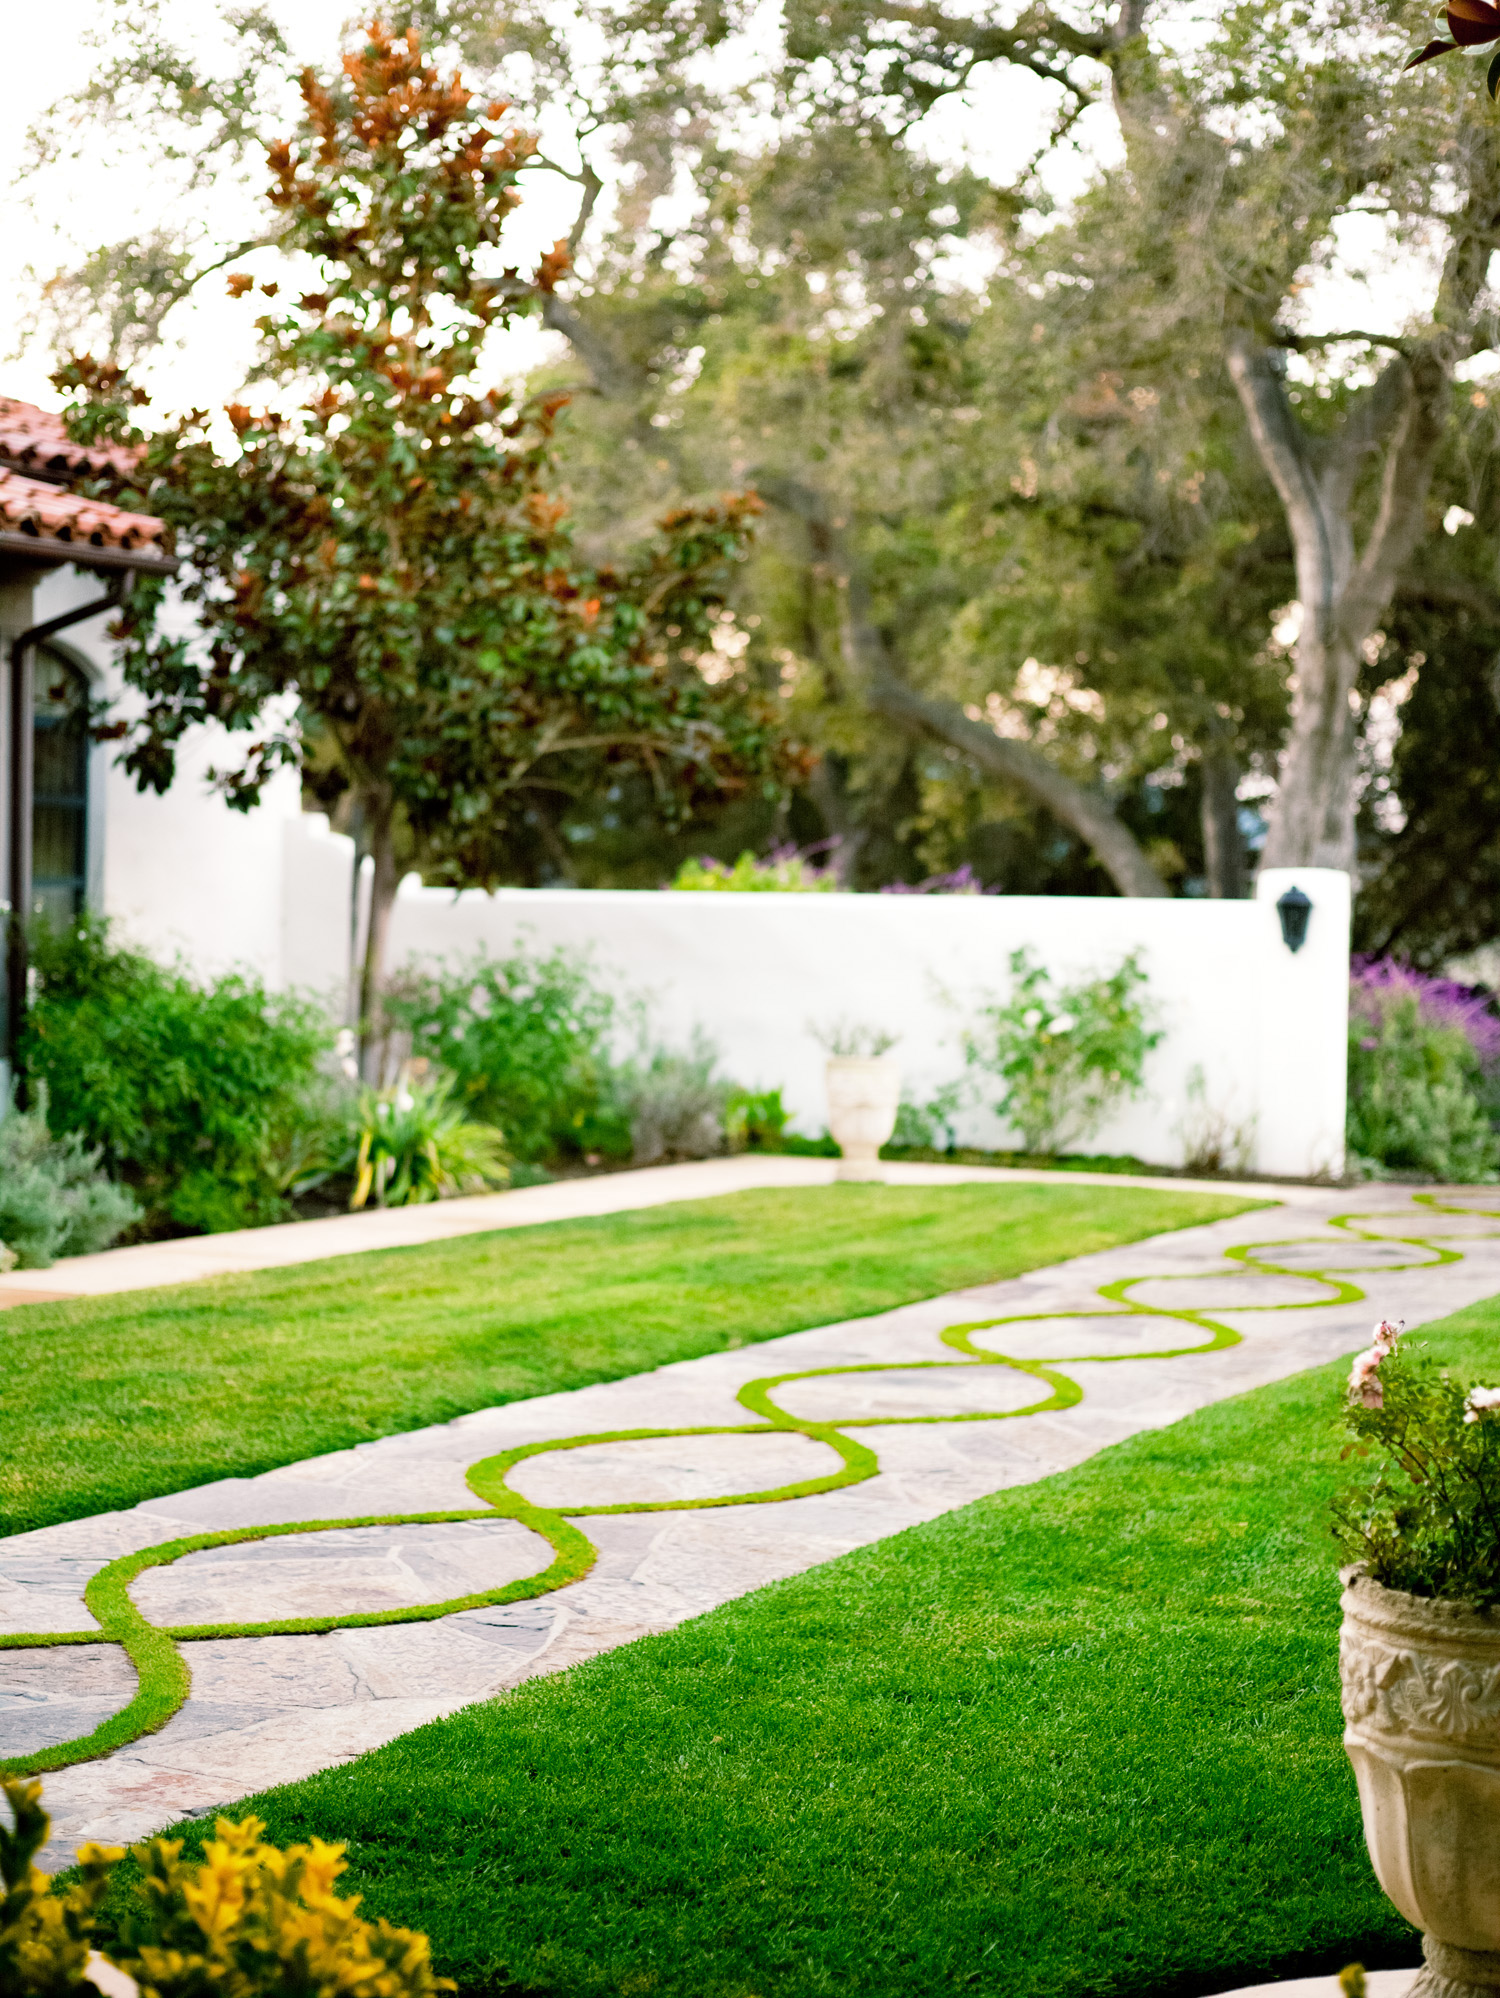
(151, 1265)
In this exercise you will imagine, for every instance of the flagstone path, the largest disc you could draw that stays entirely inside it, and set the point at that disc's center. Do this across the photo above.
(655, 1498)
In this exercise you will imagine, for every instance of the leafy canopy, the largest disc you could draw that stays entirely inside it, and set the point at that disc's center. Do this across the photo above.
(378, 559)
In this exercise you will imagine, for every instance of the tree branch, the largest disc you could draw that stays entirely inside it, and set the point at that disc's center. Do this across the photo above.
(868, 659)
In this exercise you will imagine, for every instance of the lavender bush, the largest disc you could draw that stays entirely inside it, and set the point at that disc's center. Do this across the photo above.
(1424, 1057)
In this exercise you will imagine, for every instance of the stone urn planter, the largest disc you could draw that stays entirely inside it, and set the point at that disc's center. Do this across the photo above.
(1421, 1691)
(863, 1093)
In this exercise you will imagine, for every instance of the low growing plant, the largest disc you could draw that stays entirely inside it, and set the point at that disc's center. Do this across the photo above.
(1428, 1522)
(1065, 1055)
(1424, 1055)
(413, 1144)
(198, 1096)
(674, 1102)
(248, 1921)
(525, 1038)
(55, 1198)
(755, 1120)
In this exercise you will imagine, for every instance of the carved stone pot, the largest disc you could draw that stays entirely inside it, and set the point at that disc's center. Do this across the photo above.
(1421, 1687)
(863, 1095)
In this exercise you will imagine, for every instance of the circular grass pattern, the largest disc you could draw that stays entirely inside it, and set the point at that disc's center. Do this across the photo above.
(1376, 1241)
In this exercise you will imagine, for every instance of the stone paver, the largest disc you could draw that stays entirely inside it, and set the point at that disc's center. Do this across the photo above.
(270, 1709)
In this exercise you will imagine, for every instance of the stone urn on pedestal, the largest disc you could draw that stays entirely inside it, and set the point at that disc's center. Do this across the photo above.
(863, 1094)
(1421, 1692)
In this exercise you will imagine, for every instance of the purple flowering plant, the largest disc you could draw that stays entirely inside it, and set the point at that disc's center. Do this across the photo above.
(1378, 985)
(1424, 1073)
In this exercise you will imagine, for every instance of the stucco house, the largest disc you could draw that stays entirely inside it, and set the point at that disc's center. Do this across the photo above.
(183, 873)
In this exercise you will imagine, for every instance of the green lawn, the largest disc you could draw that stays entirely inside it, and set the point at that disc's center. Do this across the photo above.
(1079, 1739)
(107, 1402)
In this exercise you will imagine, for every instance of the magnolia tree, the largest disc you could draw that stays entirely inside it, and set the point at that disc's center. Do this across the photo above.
(380, 572)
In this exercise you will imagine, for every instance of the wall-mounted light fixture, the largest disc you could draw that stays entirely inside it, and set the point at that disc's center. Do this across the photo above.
(1294, 908)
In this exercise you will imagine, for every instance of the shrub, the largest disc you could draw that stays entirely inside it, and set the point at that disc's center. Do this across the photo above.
(525, 1039)
(1065, 1055)
(784, 871)
(54, 1198)
(199, 1097)
(930, 1126)
(755, 1120)
(1426, 1522)
(248, 1921)
(1423, 1053)
(673, 1102)
(414, 1145)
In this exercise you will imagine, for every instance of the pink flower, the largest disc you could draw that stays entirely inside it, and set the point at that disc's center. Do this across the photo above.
(1364, 1372)
(1480, 1401)
(1364, 1365)
(1385, 1336)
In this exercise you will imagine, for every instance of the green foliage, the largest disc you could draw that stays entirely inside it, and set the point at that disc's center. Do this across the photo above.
(524, 1038)
(54, 1198)
(1066, 1055)
(1415, 1096)
(674, 1101)
(201, 1098)
(247, 1921)
(754, 1120)
(928, 1127)
(778, 874)
(1428, 1522)
(413, 1145)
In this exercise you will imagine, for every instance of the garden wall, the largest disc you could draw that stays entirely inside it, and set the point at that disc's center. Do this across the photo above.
(1265, 1028)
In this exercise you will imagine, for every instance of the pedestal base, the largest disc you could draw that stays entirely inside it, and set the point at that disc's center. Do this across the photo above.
(1448, 1972)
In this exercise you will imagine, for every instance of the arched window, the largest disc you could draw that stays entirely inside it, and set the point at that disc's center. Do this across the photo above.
(59, 810)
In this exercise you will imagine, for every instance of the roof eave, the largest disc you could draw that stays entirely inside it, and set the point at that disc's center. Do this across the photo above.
(85, 555)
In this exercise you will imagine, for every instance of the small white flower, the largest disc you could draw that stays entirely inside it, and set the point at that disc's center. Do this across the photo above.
(1033, 1018)
(1064, 1024)
(405, 1100)
(1480, 1401)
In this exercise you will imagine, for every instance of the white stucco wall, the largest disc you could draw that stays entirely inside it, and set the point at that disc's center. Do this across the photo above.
(1265, 1028)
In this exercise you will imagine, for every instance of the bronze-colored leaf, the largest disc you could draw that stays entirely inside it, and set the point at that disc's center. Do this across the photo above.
(1472, 22)
(1432, 49)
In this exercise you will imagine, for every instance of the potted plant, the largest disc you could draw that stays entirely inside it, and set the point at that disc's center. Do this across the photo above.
(864, 1093)
(1419, 1655)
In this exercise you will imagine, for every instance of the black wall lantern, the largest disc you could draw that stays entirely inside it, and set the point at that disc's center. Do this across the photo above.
(1294, 909)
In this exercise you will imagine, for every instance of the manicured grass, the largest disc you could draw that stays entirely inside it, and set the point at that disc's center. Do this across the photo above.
(107, 1402)
(1079, 1739)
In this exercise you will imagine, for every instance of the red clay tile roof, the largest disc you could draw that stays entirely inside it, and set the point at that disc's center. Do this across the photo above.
(55, 516)
(36, 440)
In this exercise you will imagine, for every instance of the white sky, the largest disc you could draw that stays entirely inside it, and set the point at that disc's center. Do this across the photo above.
(997, 124)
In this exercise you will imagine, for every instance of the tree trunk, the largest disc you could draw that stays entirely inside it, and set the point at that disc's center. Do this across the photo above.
(1223, 846)
(379, 813)
(830, 794)
(1342, 596)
